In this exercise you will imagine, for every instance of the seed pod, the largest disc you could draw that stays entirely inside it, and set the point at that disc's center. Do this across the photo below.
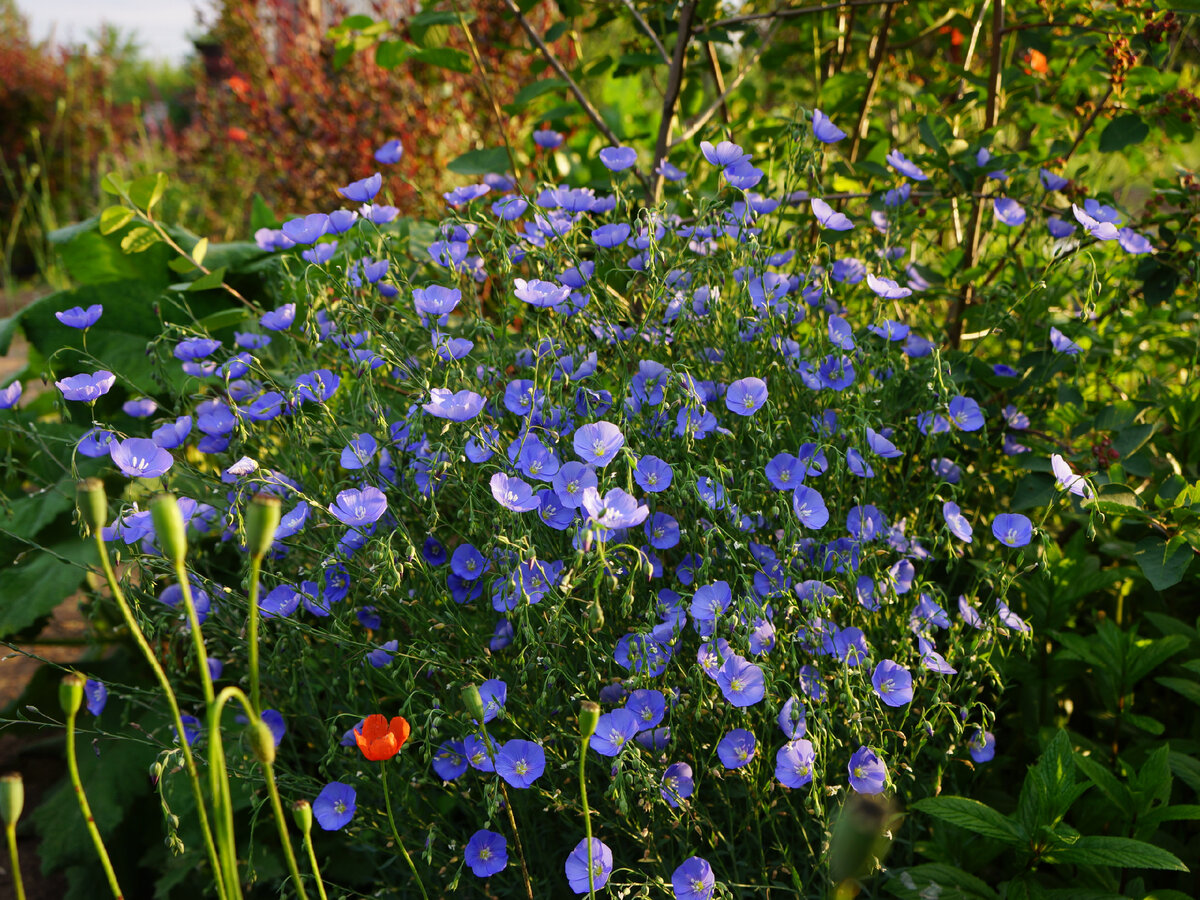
(262, 742)
(262, 521)
(303, 815)
(168, 525)
(70, 693)
(473, 702)
(589, 716)
(12, 797)
(92, 501)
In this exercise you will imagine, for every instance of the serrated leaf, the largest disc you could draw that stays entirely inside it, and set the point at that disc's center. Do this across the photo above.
(199, 251)
(480, 162)
(1145, 723)
(973, 816)
(1147, 656)
(1119, 852)
(1108, 783)
(139, 240)
(114, 218)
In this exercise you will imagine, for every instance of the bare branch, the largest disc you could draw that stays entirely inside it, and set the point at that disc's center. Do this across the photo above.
(791, 12)
(645, 26)
(558, 67)
(693, 127)
(674, 83)
(878, 51)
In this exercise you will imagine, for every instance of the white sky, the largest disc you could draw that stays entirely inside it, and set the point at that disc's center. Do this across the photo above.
(162, 26)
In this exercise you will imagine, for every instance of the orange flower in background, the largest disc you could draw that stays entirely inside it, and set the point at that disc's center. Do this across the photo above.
(380, 739)
(234, 133)
(1037, 62)
(239, 85)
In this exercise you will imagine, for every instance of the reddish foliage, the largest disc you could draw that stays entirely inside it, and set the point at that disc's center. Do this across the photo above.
(275, 116)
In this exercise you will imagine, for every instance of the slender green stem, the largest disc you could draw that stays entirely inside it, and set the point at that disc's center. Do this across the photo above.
(587, 815)
(512, 819)
(252, 633)
(387, 801)
(277, 807)
(312, 860)
(185, 586)
(189, 761)
(86, 809)
(10, 832)
(218, 783)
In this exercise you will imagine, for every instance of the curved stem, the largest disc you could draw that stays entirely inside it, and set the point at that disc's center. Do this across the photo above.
(86, 809)
(387, 801)
(189, 761)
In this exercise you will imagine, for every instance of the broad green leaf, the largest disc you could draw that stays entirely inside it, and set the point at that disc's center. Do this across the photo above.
(943, 876)
(114, 218)
(213, 279)
(480, 162)
(40, 581)
(389, 54)
(1123, 131)
(1145, 723)
(199, 251)
(226, 318)
(146, 191)
(1183, 686)
(1148, 655)
(1163, 567)
(1186, 769)
(973, 816)
(1108, 783)
(112, 183)
(444, 58)
(1119, 852)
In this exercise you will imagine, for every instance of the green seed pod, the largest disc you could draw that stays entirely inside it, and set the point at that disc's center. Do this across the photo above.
(262, 741)
(302, 814)
(168, 525)
(473, 702)
(92, 501)
(262, 521)
(12, 797)
(589, 715)
(595, 616)
(70, 693)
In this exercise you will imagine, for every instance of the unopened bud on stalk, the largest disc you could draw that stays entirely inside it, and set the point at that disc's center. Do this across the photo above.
(70, 693)
(262, 521)
(595, 616)
(168, 525)
(302, 813)
(589, 716)
(92, 501)
(12, 797)
(473, 702)
(262, 741)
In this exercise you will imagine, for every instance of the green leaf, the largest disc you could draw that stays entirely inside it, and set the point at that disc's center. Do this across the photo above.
(139, 239)
(114, 218)
(1145, 723)
(389, 54)
(480, 162)
(533, 91)
(973, 816)
(1124, 853)
(943, 876)
(1108, 783)
(1123, 131)
(355, 23)
(261, 215)
(1163, 567)
(40, 581)
(146, 191)
(226, 318)
(112, 183)
(1116, 499)
(444, 58)
(1186, 769)
(1183, 686)
(1148, 655)
(213, 279)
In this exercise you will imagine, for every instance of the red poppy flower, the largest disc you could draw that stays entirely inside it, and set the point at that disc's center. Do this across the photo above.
(380, 739)
(234, 133)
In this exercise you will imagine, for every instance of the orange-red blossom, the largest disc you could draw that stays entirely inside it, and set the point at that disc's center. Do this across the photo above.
(380, 739)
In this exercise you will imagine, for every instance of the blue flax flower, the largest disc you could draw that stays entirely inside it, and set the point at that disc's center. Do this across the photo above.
(520, 762)
(736, 748)
(87, 387)
(334, 806)
(824, 130)
(614, 730)
(140, 457)
(677, 783)
(794, 763)
(579, 877)
(1012, 529)
(746, 396)
(598, 442)
(486, 853)
(693, 880)
(96, 694)
(357, 508)
(868, 774)
(617, 159)
(78, 317)
(741, 681)
(893, 683)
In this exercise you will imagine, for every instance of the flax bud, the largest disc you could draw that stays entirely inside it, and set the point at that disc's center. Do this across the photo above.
(168, 525)
(262, 521)
(92, 501)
